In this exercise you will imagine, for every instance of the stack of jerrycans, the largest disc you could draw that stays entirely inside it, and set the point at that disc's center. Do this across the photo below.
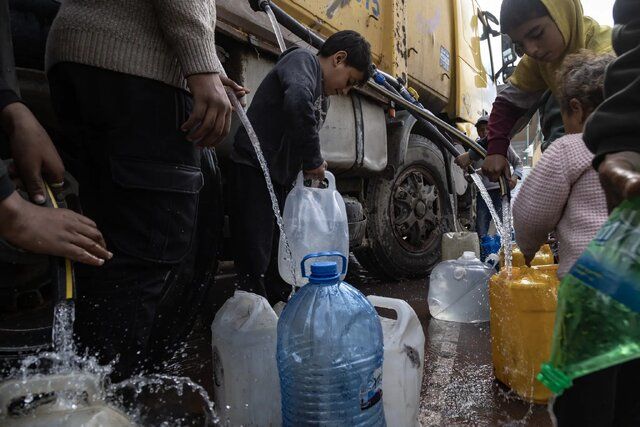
(523, 309)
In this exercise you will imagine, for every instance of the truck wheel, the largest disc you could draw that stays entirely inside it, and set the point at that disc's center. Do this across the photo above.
(406, 215)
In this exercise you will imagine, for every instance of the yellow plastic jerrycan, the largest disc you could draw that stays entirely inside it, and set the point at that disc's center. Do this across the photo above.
(543, 257)
(517, 257)
(523, 309)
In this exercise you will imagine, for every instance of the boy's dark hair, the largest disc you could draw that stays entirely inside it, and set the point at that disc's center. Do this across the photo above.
(357, 48)
(514, 13)
(582, 77)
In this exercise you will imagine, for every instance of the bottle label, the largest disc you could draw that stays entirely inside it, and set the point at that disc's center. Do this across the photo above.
(371, 391)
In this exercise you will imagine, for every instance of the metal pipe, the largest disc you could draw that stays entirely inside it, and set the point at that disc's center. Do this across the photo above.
(390, 88)
(316, 41)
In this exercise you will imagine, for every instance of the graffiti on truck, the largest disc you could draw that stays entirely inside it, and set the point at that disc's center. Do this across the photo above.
(373, 6)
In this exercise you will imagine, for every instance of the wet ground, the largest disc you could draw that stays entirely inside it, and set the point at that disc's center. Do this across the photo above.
(458, 387)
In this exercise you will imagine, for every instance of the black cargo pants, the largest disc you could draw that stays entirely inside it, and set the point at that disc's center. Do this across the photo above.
(255, 233)
(139, 181)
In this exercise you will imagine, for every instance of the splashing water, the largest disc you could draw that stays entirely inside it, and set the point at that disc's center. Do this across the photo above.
(156, 384)
(62, 380)
(253, 137)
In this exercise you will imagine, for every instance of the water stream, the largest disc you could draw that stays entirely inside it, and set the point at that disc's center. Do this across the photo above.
(276, 28)
(507, 229)
(253, 137)
(504, 227)
(487, 199)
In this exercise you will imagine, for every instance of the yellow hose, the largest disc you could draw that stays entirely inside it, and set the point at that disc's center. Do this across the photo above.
(68, 267)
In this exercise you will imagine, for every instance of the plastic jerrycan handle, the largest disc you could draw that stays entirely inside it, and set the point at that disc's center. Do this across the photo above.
(327, 175)
(399, 306)
(246, 301)
(11, 390)
(322, 255)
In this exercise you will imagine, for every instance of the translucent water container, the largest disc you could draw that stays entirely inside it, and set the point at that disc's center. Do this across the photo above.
(330, 351)
(456, 244)
(403, 362)
(523, 309)
(48, 395)
(315, 220)
(246, 384)
(458, 289)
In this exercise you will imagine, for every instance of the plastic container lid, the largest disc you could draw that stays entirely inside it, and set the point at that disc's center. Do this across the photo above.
(468, 256)
(324, 273)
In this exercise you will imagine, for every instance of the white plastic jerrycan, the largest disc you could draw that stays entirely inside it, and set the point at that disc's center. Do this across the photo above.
(454, 245)
(403, 364)
(315, 220)
(50, 411)
(459, 289)
(246, 382)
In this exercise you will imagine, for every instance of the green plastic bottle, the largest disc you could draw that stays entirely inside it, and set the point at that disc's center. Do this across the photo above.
(598, 316)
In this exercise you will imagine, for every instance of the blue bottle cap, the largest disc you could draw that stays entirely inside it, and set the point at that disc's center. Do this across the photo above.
(324, 273)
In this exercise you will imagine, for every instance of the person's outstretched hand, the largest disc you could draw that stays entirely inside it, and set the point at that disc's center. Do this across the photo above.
(620, 177)
(57, 232)
(35, 157)
(496, 166)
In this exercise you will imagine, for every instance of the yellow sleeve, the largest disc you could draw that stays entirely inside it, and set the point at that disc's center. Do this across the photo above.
(528, 77)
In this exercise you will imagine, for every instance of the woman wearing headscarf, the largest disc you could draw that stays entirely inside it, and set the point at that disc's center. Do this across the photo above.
(545, 31)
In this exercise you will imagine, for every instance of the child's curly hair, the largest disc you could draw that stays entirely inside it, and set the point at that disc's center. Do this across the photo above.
(582, 77)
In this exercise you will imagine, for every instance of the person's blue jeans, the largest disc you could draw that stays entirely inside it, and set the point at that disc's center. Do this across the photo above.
(483, 217)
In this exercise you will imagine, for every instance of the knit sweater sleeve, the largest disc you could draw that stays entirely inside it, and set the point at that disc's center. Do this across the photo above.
(543, 197)
(189, 26)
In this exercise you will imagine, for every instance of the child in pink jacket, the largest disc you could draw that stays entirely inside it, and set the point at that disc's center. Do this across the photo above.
(563, 192)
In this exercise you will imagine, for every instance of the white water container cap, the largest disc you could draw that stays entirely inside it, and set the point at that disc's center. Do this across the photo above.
(468, 256)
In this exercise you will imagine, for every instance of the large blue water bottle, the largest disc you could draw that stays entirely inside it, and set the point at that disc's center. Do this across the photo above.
(330, 353)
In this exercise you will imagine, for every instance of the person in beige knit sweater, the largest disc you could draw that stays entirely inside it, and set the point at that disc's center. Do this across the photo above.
(563, 192)
(138, 89)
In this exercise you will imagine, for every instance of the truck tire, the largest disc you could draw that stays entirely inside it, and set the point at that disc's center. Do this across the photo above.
(406, 215)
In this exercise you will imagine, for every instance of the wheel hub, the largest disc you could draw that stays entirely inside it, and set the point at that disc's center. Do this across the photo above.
(415, 212)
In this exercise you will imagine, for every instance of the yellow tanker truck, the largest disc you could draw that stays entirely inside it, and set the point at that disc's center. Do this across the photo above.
(401, 189)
